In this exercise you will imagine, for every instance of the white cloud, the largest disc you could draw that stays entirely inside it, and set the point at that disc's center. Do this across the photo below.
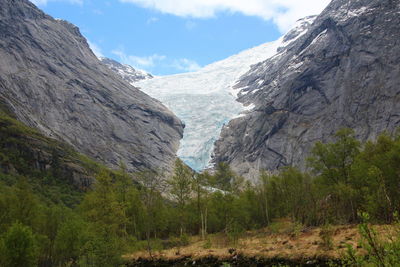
(283, 13)
(44, 2)
(96, 49)
(138, 62)
(148, 63)
(152, 20)
(185, 65)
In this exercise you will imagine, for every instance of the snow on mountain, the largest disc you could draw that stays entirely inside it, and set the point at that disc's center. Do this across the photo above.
(125, 71)
(206, 100)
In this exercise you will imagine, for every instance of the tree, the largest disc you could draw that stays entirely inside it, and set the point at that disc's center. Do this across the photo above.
(181, 189)
(23, 203)
(263, 185)
(200, 183)
(152, 185)
(332, 163)
(376, 173)
(19, 248)
(107, 221)
(224, 177)
(70, 239)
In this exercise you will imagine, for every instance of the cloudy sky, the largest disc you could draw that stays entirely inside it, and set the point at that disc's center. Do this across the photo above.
(173, 36)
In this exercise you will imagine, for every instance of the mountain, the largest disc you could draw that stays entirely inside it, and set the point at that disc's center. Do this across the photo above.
(52, 81)
(205, 100)
(125, 71)
(343, 72)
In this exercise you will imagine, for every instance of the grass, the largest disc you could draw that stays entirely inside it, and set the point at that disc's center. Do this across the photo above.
(281, 240)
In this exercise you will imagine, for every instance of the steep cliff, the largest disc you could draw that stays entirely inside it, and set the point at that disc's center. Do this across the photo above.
(344, 72)
(51, 80)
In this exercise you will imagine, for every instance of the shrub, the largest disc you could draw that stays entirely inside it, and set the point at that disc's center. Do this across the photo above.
(326, 234)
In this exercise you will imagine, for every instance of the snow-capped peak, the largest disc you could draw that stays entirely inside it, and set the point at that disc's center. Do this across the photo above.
(127, 72)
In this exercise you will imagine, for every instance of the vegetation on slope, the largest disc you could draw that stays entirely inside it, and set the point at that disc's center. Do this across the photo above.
(50, 216)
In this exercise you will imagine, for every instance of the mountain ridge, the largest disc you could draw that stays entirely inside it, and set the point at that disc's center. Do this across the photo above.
(51, 80)
(344, 72)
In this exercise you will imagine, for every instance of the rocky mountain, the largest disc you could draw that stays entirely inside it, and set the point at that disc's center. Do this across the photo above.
(52, 81)
(126, 72)
(343, 72)
(205, 100)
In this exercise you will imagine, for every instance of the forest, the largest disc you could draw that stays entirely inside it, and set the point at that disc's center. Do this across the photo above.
(45, 221)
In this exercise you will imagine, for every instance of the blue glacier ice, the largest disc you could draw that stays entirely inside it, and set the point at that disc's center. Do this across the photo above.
(205, 100)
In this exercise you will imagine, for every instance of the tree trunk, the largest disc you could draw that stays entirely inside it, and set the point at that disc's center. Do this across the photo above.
(202, 225)
(205, 223)
(266, 209)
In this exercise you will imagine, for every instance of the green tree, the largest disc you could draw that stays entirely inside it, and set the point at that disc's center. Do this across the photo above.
(377, 176)
(152, 185)
(181, 189)
(70, 240)
(224, 177)
(264, 188)
(107, 221)
(332, 163)
(201, 182)
(19, 248)
(23, 203)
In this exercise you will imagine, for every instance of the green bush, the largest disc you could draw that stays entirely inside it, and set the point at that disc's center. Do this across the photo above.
(382, 251)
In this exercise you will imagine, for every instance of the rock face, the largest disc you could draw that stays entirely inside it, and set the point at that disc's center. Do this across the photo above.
(126, 72)
(51, 80)
(344, 72)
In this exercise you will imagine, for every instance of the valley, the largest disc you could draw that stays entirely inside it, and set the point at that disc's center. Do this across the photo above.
(284, 154)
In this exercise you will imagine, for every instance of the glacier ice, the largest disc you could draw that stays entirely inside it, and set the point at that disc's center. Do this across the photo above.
(205, 100)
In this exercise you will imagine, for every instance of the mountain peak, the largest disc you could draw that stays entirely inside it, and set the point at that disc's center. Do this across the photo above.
(20, 9)
(343, 72)
(126, 72)
(52, 81)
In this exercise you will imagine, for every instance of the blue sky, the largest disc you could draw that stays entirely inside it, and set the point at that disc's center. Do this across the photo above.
(173, 36)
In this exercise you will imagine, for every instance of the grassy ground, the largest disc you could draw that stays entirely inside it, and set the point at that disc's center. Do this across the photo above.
(282, 239)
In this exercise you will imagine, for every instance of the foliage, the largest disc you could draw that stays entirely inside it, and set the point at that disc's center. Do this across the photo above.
(19, 247)
(181, 189)
(381, 251)
(326, 234)
(46, 221)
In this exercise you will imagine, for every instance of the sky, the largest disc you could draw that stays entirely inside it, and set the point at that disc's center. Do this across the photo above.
(166, 37)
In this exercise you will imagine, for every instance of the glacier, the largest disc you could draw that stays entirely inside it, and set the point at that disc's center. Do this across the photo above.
(205, 100)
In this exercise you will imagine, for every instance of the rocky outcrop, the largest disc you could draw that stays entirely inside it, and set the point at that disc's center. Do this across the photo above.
(344, 72)
(126, 72)
(51, 80)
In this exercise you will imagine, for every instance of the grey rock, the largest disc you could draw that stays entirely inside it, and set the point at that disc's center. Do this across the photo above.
(344, 72)
(52, 81)
(126, 72)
